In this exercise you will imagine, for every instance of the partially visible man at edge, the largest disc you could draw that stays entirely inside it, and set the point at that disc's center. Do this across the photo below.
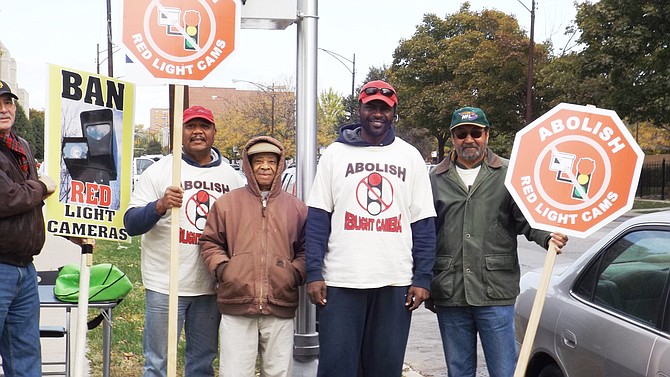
(22, 235)
(204, 177)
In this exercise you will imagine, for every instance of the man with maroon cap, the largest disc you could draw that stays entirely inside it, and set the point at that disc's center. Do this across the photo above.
(370, 242)
(204, 177)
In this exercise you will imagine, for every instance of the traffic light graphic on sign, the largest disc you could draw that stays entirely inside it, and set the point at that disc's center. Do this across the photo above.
(563, 164)
(585, 168)
(192, 29)
(172, 19)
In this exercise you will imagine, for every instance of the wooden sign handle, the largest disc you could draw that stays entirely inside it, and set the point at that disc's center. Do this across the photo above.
(536, 311)
(173, 298)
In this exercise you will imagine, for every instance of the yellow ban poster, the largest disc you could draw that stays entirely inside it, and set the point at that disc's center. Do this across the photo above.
(88, 152)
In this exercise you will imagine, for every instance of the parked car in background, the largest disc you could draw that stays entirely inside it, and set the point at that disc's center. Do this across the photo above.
(288, 180)
(607, 314)
(140, 164)
(239, 171)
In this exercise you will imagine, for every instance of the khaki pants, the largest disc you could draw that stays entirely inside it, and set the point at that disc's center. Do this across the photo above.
(243, 338)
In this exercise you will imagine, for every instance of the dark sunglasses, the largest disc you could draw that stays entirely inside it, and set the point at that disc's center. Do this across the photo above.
(476, 133)
(384, 91)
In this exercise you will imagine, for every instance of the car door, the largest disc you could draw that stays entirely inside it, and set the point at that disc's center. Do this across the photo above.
(140, 165)
(659, 362)
(614, 324)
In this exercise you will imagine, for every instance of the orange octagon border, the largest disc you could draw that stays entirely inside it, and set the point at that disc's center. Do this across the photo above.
(574, 169)
(156, 34)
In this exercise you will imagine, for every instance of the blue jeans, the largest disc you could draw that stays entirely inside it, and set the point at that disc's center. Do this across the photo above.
(459, 327)
(200, 317)
(19, 321)
(363, 332)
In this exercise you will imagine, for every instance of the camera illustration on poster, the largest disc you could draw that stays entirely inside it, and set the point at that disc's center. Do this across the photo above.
(89, 157)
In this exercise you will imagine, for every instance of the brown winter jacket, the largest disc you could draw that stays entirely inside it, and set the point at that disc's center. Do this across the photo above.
(261, 246)
(22, 231)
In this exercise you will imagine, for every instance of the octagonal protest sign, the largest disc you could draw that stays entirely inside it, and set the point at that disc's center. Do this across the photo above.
(179, 39)
(574, 169)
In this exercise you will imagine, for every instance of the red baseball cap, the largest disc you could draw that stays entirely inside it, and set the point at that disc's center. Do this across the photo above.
(378, 90)
(198, 112)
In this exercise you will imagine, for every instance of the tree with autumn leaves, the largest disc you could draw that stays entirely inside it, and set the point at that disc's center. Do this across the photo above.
(470, 58)
(480, 58)
(252, 116)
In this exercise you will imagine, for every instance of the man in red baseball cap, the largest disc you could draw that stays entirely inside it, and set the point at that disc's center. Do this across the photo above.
(205, 176)
(370, 245)
(194, 112)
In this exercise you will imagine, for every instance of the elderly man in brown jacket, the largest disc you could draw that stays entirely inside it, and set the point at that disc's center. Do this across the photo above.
(253, 243)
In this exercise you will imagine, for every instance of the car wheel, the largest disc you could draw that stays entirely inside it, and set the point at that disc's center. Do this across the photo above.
(551, 370)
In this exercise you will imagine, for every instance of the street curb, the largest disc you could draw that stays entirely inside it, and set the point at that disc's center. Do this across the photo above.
(407, 371)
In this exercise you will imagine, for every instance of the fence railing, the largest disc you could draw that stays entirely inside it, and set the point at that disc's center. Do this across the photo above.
(654, 180)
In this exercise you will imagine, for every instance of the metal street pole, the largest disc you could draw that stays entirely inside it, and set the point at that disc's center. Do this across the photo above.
(352, 70)
(306, 346)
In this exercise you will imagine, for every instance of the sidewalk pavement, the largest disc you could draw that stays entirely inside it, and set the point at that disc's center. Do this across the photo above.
(58, 252)
(407, 371)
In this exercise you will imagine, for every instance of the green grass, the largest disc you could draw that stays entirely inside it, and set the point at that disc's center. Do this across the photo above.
(128, 317)
(644, 204)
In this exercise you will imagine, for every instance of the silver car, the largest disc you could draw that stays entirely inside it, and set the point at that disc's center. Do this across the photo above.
(607, 314)
(288, 180)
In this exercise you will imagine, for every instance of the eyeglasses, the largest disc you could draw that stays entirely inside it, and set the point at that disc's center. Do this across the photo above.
(384, 91)
(462, 134)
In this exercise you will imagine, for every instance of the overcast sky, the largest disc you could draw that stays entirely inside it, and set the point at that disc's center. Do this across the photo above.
(66, 32)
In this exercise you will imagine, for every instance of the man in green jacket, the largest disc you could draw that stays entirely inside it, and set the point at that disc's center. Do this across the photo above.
(476, 273)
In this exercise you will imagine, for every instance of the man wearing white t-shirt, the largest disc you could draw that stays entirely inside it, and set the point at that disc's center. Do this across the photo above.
(204, 177)
(370, 244)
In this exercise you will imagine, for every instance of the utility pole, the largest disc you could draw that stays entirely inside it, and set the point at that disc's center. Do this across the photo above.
(110, 62)
(531, 53)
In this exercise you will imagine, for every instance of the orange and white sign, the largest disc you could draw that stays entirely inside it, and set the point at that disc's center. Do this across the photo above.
(179, 39)
(574, 169)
